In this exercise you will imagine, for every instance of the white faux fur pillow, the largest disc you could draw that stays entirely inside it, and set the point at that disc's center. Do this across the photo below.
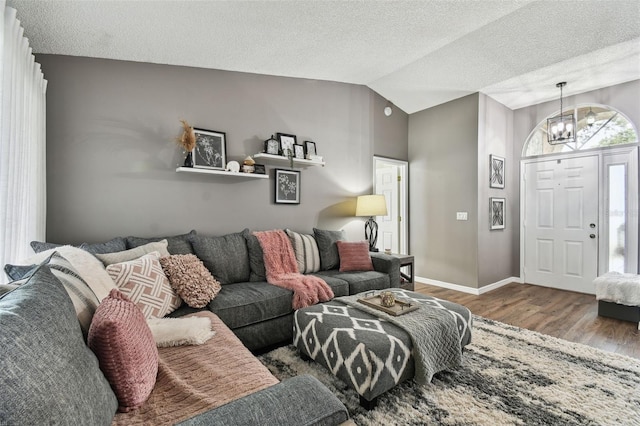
(180, 331)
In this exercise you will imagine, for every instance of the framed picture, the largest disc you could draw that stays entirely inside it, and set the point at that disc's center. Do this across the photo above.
(211, 149)
(259, 169)
(286, 143)
(309, 148)
(287, 186)
(272, 146)
(496, 213)
(496, 165)
(298, 151)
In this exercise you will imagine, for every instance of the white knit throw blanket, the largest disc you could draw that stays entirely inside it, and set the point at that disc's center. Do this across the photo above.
(433, 332)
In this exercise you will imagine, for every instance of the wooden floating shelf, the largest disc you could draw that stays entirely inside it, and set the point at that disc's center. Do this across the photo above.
(221, 173)
(299, 161)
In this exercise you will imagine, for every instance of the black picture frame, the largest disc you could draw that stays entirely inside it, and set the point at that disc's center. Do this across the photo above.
(272, 146)
(496, 212)
(259, 169)
(310, 149)
(298, 151)
(497, 175)
(287, 186)
(286, 143)
(210, 151)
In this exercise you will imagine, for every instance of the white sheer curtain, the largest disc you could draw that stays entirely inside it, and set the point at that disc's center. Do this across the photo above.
(22, 142)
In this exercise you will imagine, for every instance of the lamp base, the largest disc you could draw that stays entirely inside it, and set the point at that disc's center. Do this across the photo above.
(371, 233)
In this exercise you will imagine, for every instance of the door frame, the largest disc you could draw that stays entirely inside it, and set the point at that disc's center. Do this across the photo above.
(603, 230)
(403, 200)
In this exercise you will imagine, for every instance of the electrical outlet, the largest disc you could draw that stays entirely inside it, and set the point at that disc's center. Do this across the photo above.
(461, 216)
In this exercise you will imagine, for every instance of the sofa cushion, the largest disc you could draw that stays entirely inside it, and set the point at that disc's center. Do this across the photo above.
(49, 375)
(178, 244)
(116, 244)
(329, 257)
(256, 257)
(190, 279)
(354, 256)
(144, 282)
(339, 286)
(124, 345)
(134, 253)
(226, 257)
(306, 251)
(247, 303)
(359, 281)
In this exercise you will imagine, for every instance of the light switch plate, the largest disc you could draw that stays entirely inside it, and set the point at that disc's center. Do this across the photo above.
(461, 216)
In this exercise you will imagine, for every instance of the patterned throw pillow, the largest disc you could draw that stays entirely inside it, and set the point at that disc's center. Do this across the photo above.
(126, 350)
(190, 279)
(306, 250)
(144, 282)
(354, 256)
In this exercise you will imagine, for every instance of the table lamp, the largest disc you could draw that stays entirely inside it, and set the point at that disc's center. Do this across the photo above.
(371, 205)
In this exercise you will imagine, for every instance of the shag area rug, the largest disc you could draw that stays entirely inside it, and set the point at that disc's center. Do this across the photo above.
(509, 376)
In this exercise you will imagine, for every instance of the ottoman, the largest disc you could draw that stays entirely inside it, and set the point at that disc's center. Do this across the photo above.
(368, 353)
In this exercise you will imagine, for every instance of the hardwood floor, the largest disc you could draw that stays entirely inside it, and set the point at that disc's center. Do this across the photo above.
(563, 314)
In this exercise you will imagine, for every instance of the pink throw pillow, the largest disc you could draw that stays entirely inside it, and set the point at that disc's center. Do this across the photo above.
(128, 356)
(354, 256)
(190, 279)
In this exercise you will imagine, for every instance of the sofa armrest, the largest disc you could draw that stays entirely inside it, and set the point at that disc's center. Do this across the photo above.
(301, 400)
(389, 265)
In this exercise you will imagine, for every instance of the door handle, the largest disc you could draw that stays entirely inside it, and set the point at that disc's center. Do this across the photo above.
(592, 236)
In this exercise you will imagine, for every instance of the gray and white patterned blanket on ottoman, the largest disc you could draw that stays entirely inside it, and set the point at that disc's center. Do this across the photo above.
(372, 351)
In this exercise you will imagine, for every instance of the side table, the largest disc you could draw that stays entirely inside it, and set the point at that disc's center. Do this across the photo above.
(407, 281)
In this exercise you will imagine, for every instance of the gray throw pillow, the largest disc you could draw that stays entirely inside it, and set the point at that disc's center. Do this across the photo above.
(326, 240)
(226, 257)
(256, 257)
(116, 244)
(17, 272)
(178, 244)
(49, 375)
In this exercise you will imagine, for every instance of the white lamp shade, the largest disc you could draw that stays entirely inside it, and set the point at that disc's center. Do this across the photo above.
(371, 205)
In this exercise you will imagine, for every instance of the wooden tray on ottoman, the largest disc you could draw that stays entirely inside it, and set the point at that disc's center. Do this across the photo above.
(399, 308)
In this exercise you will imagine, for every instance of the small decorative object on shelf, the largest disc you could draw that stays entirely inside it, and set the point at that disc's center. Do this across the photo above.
(287, 142)
(259, 169)
(188, 142)
(272, 146)
(388, 299)
(233, 167)
(298, 151)
(310, 150)
(248, 165)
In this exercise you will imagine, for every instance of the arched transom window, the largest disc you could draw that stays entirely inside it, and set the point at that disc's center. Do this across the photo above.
(597, 126)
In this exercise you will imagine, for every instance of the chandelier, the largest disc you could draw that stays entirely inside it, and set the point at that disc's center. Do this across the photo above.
(561, 129)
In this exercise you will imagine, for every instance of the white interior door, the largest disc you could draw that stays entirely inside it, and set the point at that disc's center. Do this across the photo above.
(388, 226)
(561, 223)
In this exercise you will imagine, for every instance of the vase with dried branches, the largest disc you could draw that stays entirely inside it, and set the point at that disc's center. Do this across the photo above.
(188, 142)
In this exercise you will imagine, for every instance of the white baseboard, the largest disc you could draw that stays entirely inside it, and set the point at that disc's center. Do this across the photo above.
(465, 289)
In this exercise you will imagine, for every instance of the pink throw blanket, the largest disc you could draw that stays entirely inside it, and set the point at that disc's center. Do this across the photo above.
(282, 270)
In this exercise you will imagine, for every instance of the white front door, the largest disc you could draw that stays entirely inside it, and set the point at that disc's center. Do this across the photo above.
(561, 223)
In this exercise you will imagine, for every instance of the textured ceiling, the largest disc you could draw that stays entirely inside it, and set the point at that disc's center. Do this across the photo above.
(417, 54)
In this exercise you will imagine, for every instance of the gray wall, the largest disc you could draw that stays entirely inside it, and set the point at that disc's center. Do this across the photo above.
(498, 257)
(111, 158)
(443, 148)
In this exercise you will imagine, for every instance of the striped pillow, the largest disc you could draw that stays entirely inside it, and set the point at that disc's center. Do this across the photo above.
(306, 251)
(84, 300)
